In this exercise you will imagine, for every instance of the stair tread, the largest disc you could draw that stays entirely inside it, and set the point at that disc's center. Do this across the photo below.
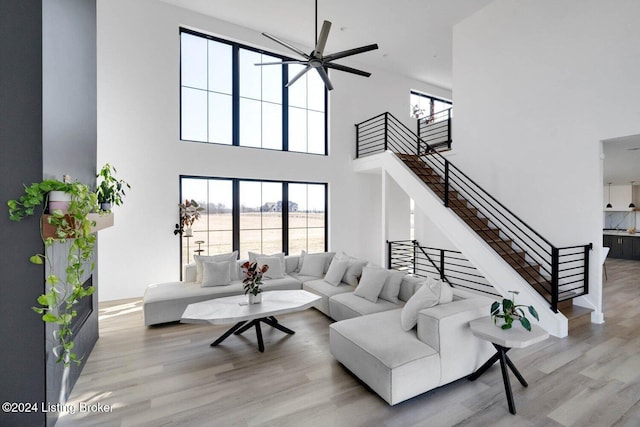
(575, 311)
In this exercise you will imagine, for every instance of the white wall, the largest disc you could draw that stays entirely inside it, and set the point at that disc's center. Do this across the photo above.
(537, 86)
(138, 132)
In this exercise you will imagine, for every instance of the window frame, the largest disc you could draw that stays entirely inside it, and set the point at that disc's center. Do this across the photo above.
(235, 95)
(235, 196)
(432, 100)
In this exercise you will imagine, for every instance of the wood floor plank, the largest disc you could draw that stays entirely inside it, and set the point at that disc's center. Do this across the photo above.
(170, 376)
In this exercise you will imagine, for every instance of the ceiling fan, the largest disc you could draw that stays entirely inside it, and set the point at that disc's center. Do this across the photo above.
(317, 59)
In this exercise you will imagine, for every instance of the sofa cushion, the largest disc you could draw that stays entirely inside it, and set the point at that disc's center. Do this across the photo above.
(423, 298)
(371, 283)
(313, 265)
(284, 283)
(336, 271)
(354, 271)
(442, 289)
(275, 270)
(392, 362)
(391, 287)
(253, 257)
(216, 273)
(328, 256)
(408, 287)
(233, 256)
(347, 305)
(325, 290)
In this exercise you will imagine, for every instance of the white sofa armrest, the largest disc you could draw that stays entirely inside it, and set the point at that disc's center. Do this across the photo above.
(445, 328)
(189, 273)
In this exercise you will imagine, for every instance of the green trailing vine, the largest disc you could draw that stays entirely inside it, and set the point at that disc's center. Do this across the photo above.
(56, 305)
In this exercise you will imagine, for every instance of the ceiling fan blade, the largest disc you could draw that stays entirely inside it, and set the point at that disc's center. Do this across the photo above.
(281, 62)
(347, 69)
(297, 76)
(287, 45)
(350, 52)
(325, 77)
(322, 39)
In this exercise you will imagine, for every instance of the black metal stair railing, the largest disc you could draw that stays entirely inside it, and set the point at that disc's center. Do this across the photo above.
(435, 129)
(558, 274)
(450, 266)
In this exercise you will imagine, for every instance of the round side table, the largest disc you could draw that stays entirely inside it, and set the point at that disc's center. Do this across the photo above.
(504, 340)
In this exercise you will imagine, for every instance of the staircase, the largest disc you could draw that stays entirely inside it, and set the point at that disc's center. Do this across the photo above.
(557, 274)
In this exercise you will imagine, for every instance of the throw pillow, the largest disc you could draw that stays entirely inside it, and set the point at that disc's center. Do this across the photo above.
(233, 256)
(371, 283)
(423, 298)
(354, 271)
(336, 271)
(391, 287)
(253, 257)
(327, 261)
(216, 273)
(441, 289)
(275, 266)
(313, 265)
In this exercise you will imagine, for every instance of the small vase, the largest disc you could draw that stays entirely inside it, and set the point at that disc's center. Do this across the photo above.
(255, 299)
(105, 206)
(188, 232)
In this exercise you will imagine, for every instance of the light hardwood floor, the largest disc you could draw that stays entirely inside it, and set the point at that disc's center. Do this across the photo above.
(170, 376)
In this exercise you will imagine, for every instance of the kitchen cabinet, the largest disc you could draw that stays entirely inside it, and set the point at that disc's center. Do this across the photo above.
(636, 248)
(625, 247)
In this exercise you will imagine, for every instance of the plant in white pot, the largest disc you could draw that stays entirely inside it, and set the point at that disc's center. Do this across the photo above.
(110, 190)
(253, 281)
(189, 213)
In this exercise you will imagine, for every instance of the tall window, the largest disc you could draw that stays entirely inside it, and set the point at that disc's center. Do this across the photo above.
(227, 99)
(423, 105)
(256, 216)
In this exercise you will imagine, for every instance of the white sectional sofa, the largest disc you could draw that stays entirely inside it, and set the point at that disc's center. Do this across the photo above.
(165, 302)
(399, 364)
(369, 336)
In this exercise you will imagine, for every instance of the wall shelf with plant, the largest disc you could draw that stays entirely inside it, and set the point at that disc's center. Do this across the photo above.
(74, 226)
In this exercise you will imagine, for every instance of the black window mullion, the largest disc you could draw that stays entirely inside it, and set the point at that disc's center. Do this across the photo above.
(235, 215)
(326, 216)
(285, 217)
(235, 95)
(285, 108)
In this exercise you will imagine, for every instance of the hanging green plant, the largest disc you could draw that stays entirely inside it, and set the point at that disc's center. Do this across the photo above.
(56, 305)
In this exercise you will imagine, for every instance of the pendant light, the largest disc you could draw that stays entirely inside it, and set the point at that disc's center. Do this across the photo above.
(609, 204)
(631, 205)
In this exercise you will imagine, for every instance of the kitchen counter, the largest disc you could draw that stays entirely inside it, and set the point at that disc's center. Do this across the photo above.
(619, 233)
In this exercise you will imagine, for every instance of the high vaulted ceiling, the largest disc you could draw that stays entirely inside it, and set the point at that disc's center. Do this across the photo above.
(414, 36)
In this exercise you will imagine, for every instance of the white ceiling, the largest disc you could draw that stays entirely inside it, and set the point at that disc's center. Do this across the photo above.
(622, 160)
(414, 36)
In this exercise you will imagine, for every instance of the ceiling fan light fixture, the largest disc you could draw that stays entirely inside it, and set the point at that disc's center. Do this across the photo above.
(317, 59)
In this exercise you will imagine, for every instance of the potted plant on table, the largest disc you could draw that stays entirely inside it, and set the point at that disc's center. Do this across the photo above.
(110, 190)
(253, 281)
(509, 311)
(189, 213)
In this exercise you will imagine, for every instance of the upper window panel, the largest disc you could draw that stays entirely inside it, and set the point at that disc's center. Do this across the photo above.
(227, 99)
